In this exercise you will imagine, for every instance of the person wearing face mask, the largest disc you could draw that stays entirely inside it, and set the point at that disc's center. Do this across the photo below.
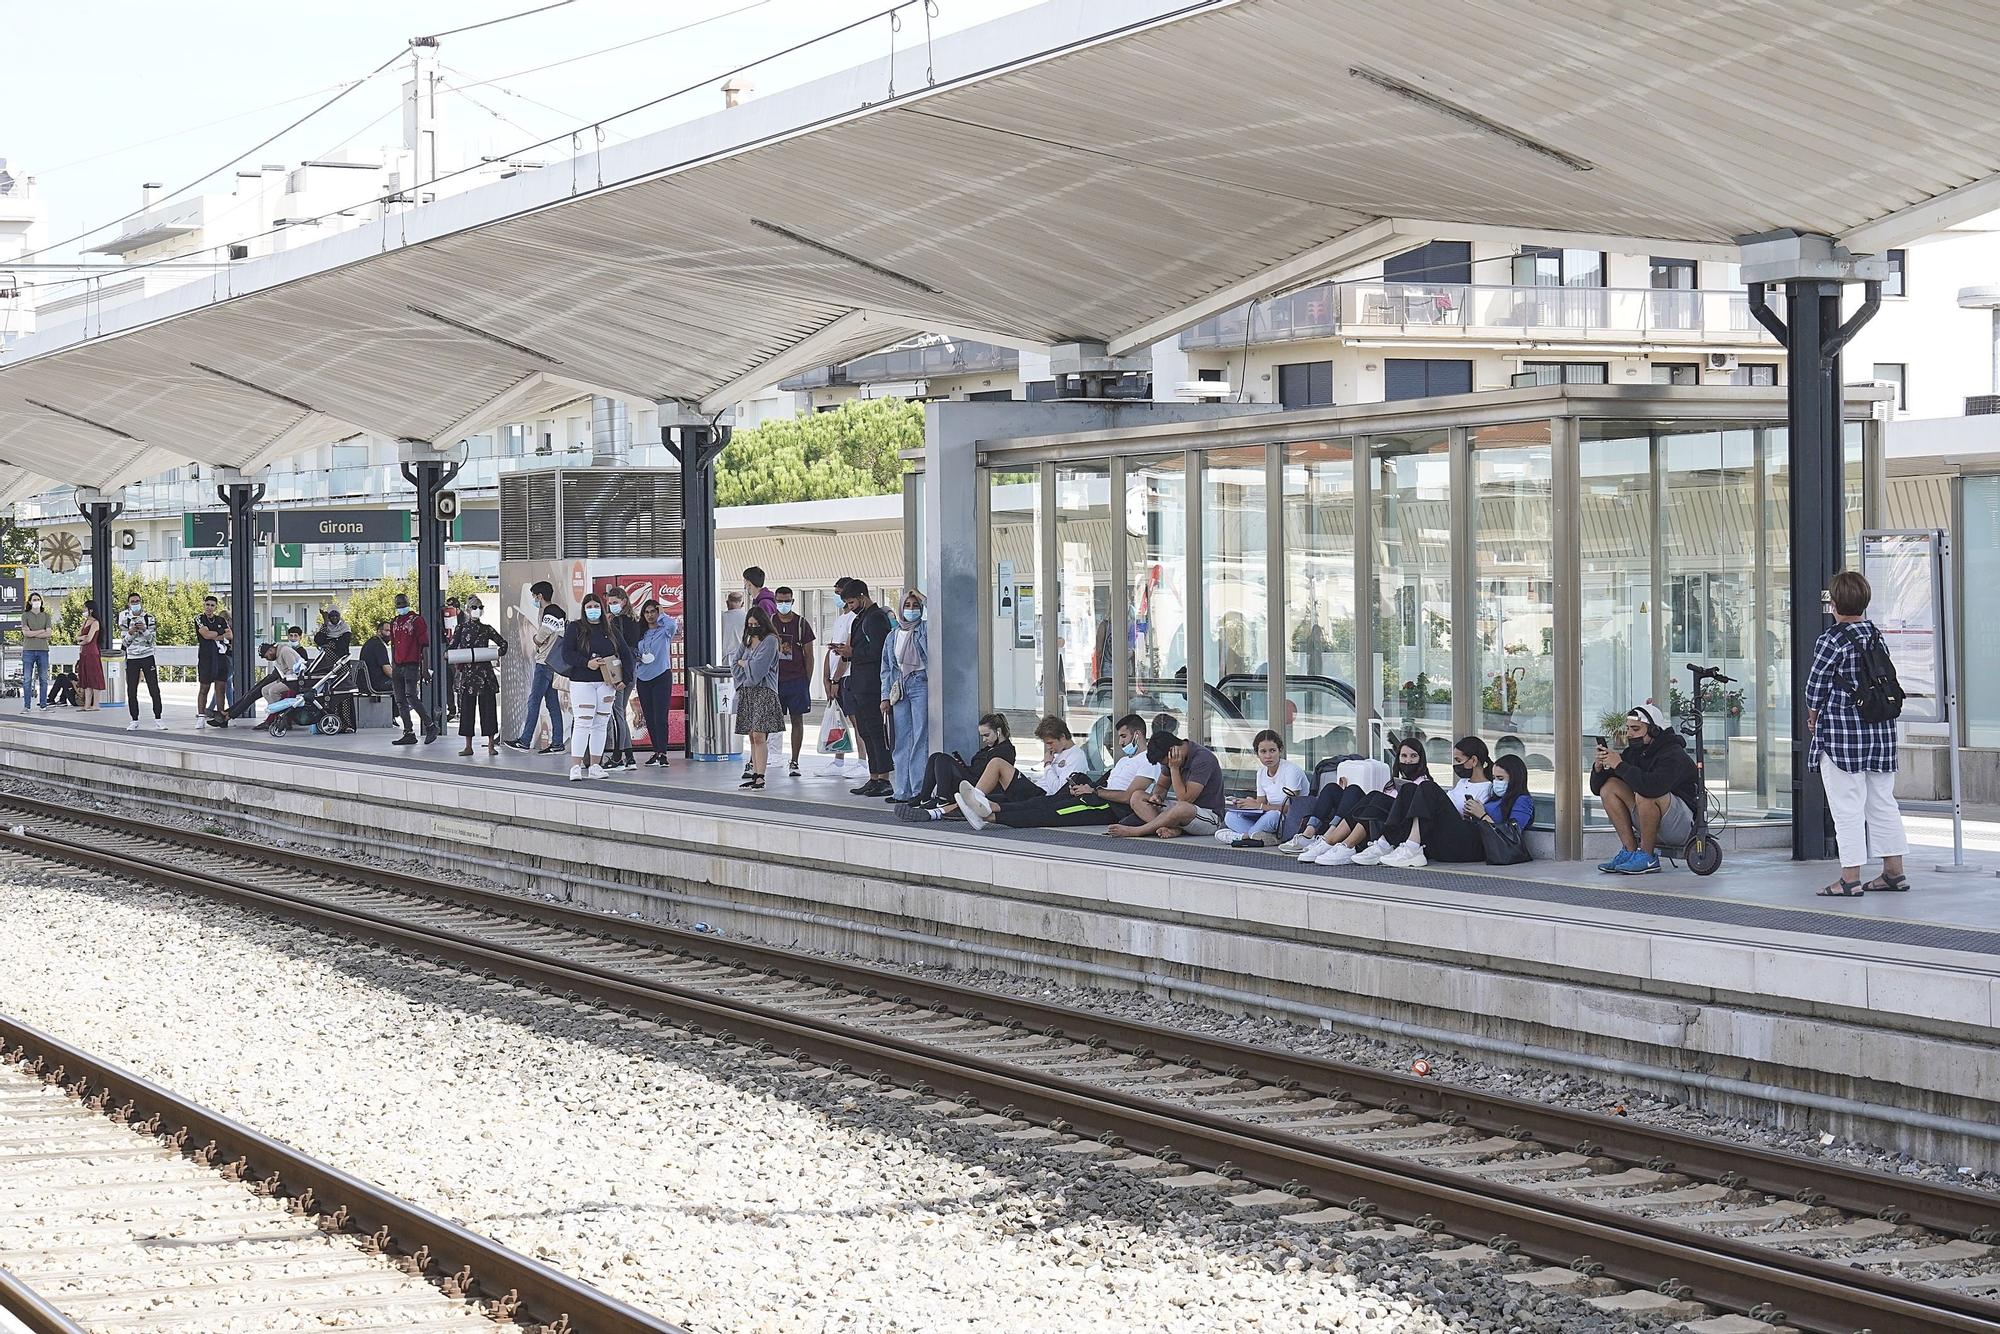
(334, 639)
(598, 660)
(38, 631)
(450, 681)
(795, 668)
(545, 631)
(624, 618)
(861, 688)
(1509, 803)
(1342, 810)
(140, 633)
(943, 773)
(655, 671)
(1425, 821)
(906, 695)
(756, 675)
(1083, 801)
(89, 657)
(409, 637)
(478, 682)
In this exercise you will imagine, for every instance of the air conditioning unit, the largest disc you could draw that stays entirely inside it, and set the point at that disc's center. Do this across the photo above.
(1217, 389)
(1722, 361)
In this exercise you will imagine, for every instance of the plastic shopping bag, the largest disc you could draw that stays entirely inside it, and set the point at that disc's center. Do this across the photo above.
(834, 738)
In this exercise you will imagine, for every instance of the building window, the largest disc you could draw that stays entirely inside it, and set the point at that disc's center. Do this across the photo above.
(1896, 373)
(1420, 377)
(1306, 384)
(991, 396)
(1898, 280)
(1764, 373)
(1676, 372)
(1436, 263)
(1546, 266)
(1040, 391)
(1673, 303)
(1209, 377)
(1563, 372)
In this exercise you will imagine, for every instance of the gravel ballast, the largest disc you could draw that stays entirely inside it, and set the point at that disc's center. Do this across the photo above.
(678, 1174)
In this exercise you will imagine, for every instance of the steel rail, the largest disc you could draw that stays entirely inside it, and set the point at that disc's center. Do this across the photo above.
(479, 1264)
(1938, 1206)
(32, 1311)
(1814, 1295)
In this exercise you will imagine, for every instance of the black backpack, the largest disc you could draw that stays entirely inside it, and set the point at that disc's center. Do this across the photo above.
(1878, 695)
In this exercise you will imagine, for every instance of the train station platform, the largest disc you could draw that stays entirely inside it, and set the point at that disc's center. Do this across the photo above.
(1877, 1016)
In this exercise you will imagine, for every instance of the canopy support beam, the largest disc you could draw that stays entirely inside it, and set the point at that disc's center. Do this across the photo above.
(99, 514)
(240, 498)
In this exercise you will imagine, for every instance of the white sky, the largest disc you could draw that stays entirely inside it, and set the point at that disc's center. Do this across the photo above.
(86, 84)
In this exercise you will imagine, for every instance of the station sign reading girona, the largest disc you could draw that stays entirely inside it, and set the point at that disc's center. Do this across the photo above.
(208, 529)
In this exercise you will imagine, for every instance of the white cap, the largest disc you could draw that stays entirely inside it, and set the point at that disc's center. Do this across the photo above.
(1651, 712)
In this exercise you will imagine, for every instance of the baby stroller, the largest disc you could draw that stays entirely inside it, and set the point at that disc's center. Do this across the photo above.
(323, 699)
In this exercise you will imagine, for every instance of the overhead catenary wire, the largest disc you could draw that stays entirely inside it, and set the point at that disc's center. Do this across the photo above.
(623, 46)
(489, 23)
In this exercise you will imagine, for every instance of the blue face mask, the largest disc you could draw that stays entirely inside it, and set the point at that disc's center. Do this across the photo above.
(592, 613)
(1499, 787)
(405, 611)
(913, 614)
(1131, 748)
(785, 608)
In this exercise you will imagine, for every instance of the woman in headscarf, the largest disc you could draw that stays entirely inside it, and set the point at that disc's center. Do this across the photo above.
(906, 696)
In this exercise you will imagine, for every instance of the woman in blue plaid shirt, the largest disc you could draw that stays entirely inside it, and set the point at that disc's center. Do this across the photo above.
(1856, 759)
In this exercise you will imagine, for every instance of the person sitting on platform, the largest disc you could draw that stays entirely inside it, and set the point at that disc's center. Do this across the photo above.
(283, 667)
(1425, 821)
(1650, 791)
(943, 773)
(1002, 784)
(1252, 821)
(334, 638)
(375, 679)
(63, 689)
(1084, 801)
(1185, 798)
(1337, 825)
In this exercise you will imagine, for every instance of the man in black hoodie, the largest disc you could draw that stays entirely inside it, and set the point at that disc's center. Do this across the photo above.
(1650, 791)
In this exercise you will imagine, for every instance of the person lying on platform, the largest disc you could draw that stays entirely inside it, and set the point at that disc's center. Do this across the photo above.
(1083, 800)
(1338, 823)
(1650, 791)
(1185, 798)
(1427, 822)
(1004, 785)
(1252, 821)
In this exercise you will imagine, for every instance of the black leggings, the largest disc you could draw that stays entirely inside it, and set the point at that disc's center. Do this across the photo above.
(1334, 803)
(942, 775)
(1447, 835)
(136, 670)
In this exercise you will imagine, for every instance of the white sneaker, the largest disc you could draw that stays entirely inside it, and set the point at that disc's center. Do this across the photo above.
(132, 726)
(1226, 835)
(576, 773)
(974, 806)
(1373, 853)
(1406, 858)
(597, 771)
(159, 724)
(1335, 854)
(1308, 850)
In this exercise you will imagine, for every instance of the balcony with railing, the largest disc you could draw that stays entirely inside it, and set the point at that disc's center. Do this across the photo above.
(1433, 311)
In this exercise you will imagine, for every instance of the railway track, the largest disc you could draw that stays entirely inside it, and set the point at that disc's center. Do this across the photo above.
(124, 1207)
(1684, 1223)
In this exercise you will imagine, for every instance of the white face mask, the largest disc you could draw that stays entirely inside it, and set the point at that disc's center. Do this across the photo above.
(1499, 787)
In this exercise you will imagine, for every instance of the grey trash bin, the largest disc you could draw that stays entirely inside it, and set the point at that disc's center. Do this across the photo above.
(711, 728)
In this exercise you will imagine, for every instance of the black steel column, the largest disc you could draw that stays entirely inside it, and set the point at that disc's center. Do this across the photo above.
(240, 499)
(1816, 470)
(431, 477)
(99, 514)
(698, 598)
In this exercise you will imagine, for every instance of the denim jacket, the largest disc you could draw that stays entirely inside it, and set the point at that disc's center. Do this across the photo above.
(893, 675)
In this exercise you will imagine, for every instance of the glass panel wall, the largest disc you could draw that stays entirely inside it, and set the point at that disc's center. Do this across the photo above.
(1084, 582)
(1615, 527)
(1156, 585)
(1979, 547)
(1318, 591)
(1236, 605)
(1514, 596)
(1016, 631)
(1410, 490)
(1769, 690)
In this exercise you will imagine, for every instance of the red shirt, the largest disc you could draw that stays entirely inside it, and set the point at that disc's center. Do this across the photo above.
(409, 636)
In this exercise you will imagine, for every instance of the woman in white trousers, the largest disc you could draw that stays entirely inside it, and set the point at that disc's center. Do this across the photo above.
(1856, 757)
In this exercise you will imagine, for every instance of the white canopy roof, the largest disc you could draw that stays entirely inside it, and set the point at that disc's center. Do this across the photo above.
(1107, 170)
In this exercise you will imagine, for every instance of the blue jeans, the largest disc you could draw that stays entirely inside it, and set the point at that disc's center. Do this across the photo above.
(543, 687)
(1245, 823)
(911, 717)
(34, 678)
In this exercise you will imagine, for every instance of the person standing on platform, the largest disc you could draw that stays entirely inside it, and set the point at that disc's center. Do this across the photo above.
(545, 631)
(906, 696)
(89, 658)
(598, 660)
(478, 683)
(450, 684)
(625, 620)
(755, 594)
(409, 638)
(1853, 745)
(655, 671)
(378, 676)
(758, 713)
(795, 668)
(140, 635)
(861, 690)
(211, 669)
(833, 671)
(731, 642)
(38, 632)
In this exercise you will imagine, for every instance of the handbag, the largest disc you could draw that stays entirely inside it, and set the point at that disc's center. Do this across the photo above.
(1505, 843)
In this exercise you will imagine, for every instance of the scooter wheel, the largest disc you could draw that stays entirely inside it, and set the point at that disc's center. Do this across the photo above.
(1703, 854)
(328, 725)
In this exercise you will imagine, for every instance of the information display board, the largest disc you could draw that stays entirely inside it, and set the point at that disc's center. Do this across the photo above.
(1905, 571)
